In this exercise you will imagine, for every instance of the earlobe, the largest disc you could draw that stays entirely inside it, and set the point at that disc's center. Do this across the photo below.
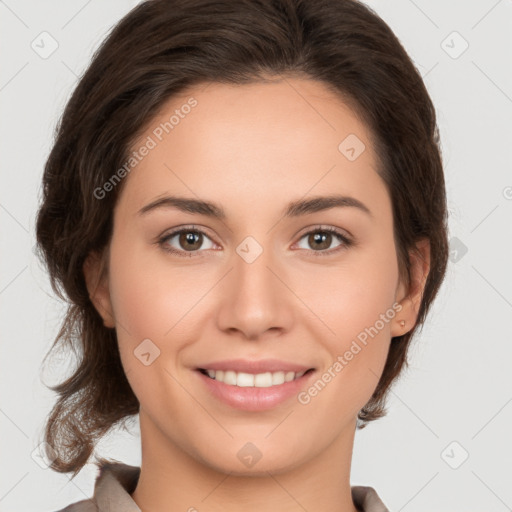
(420, 268)
(96, 279)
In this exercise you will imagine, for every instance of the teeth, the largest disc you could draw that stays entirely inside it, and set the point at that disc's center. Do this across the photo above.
(250, 380)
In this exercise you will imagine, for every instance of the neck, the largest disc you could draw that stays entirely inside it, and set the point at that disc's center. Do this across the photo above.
(172, 479)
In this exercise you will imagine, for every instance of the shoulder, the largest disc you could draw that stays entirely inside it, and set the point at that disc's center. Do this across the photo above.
(112, 488)
(366, 499)
(80, 506)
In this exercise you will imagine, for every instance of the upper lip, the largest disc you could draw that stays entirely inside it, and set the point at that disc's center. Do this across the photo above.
(260, 366)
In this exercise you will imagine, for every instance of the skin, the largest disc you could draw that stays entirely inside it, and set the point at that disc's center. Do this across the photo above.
(252, 149)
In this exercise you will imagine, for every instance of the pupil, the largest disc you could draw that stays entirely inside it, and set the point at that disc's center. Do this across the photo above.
(321, 238)
(189, 239)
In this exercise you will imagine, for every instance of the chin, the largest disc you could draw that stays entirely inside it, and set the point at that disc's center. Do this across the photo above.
(246, 458)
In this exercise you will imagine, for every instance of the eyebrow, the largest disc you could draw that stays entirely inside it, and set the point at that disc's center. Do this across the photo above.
(293, 209)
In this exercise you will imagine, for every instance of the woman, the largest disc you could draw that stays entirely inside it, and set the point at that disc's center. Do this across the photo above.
(245, 207)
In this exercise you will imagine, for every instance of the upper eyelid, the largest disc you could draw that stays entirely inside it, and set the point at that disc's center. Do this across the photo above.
(328, 228)
(178, 230)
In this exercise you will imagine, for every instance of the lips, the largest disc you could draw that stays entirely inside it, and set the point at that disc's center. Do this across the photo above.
(254, 385)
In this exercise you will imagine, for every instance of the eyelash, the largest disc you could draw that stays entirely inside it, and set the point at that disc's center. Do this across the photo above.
(162, 242)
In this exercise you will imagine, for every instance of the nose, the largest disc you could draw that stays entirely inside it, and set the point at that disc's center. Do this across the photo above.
(255, 298)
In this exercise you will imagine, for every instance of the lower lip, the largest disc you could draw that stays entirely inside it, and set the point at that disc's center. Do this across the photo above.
(252, 398)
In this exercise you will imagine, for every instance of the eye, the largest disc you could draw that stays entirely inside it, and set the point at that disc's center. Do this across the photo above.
(321, 239)
(189, 240)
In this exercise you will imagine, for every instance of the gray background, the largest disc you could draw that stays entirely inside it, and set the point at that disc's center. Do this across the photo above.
(455, 401)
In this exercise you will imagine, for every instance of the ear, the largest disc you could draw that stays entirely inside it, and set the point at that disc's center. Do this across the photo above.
(96, 278)
(410, 297)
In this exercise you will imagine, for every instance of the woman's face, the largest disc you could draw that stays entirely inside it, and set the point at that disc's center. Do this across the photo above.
(255, 278)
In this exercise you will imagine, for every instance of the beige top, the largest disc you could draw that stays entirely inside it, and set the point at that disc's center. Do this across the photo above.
(117, 481)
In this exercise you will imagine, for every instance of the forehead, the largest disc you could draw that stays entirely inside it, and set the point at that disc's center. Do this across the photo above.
(269, 140)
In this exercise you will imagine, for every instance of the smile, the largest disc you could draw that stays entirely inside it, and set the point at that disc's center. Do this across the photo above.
(249, 380)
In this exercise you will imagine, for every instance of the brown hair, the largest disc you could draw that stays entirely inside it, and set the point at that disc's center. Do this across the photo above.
(157, 50)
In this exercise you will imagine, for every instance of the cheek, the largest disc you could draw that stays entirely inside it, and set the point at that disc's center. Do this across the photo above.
(150, 304)
(149, 296)
(144, 312)
(356, 303)
(351, 295)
